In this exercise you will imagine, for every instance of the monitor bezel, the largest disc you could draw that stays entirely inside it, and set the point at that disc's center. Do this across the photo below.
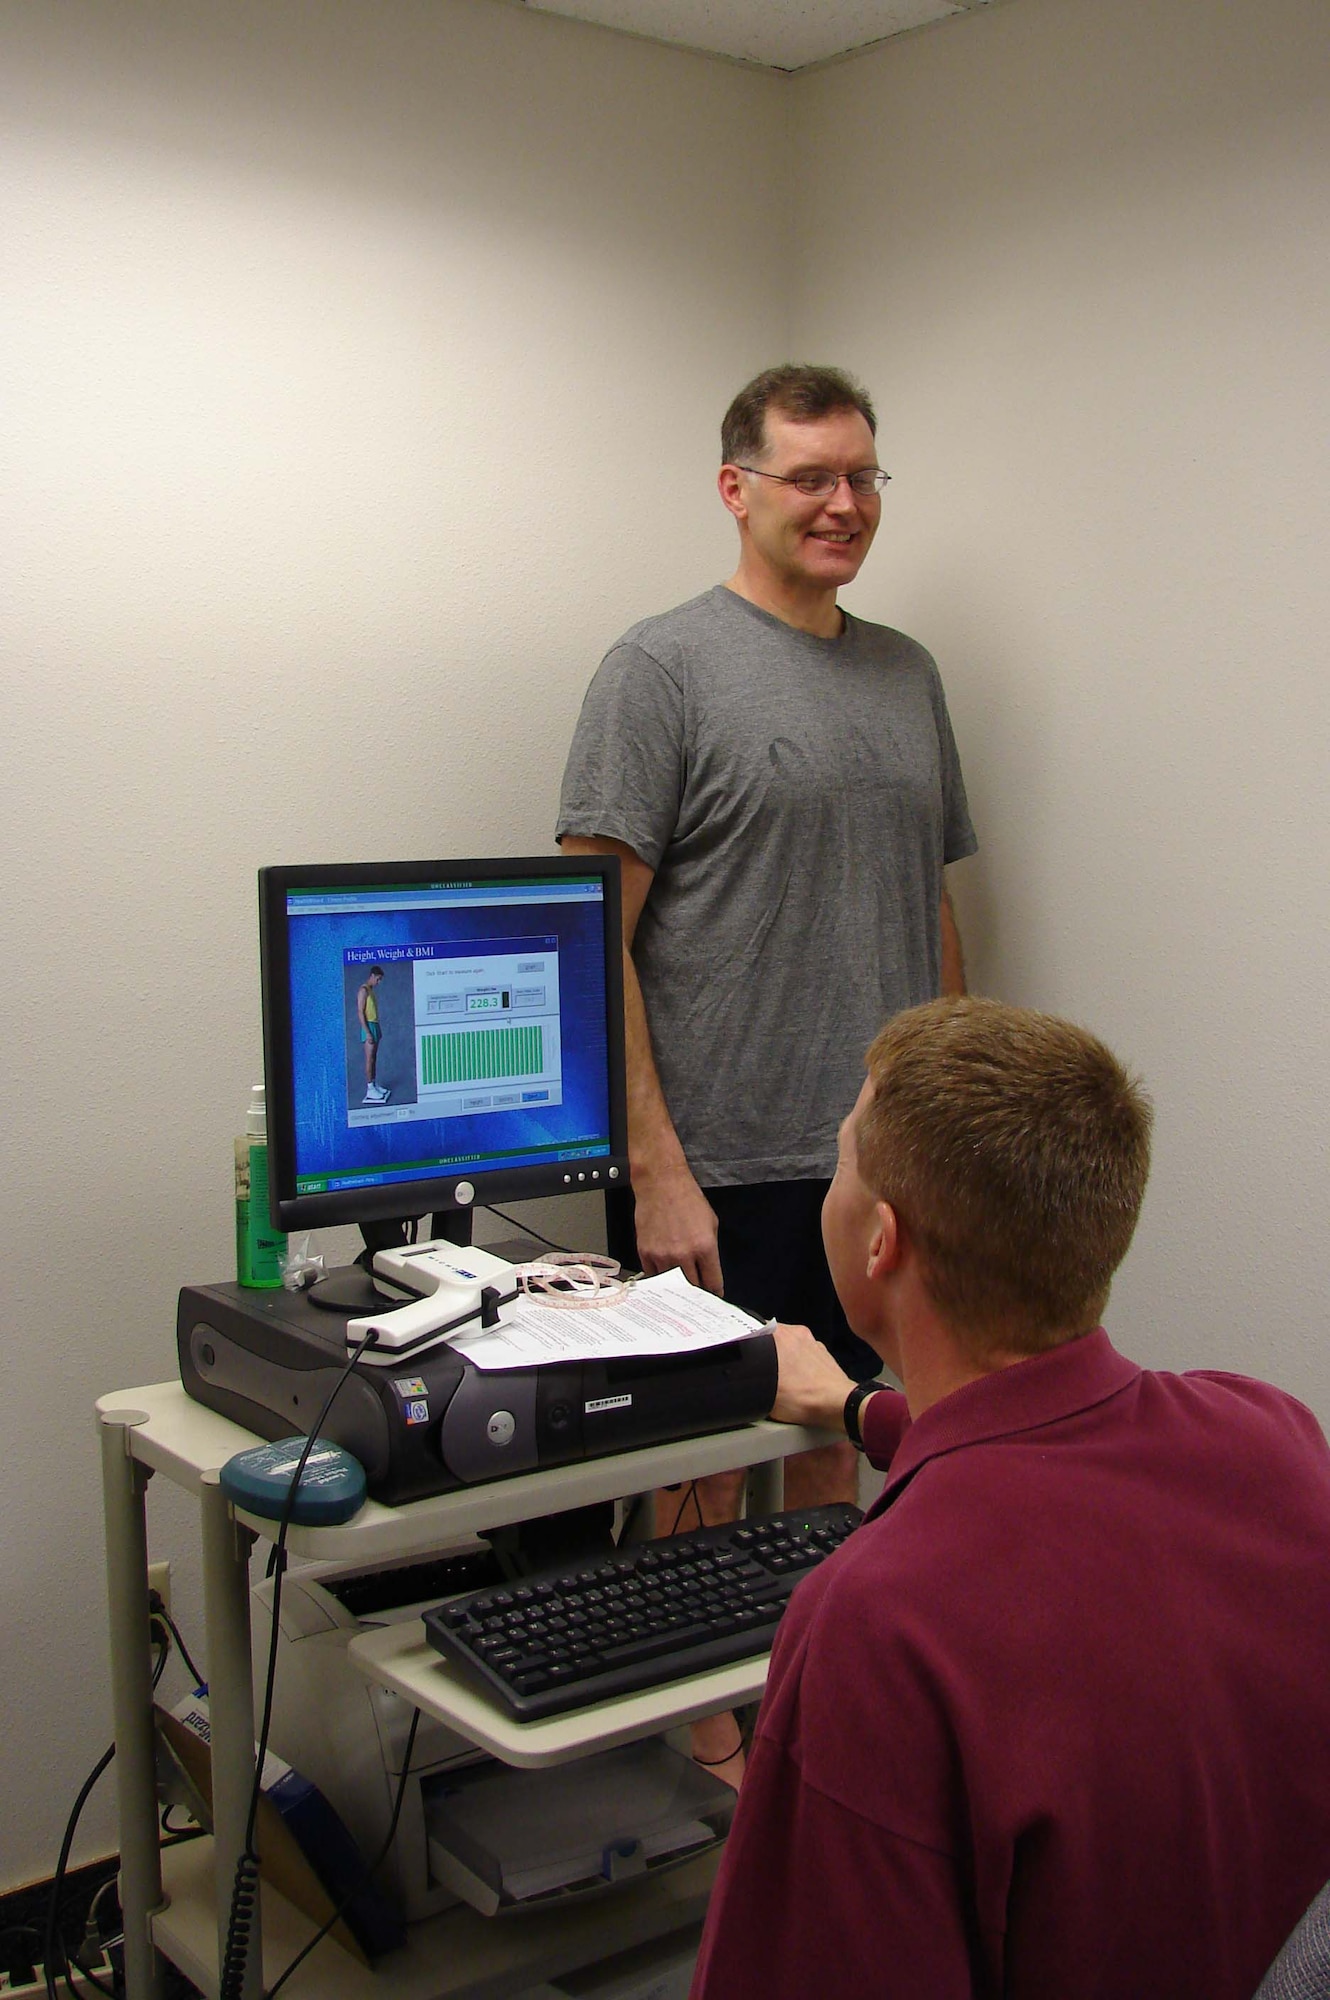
(292, 1211)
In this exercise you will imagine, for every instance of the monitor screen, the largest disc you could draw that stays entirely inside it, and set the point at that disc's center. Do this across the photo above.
(440, 1033)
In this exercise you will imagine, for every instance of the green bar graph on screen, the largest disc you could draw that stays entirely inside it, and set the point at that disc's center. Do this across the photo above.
(486, 1055)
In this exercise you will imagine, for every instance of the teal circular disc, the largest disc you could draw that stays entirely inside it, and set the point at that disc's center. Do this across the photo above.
(332, 1485)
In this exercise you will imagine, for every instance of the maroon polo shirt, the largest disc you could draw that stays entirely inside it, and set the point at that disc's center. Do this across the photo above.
(1054, 1723)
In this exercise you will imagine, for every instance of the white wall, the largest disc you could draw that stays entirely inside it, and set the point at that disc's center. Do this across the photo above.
(1079, 252)
(364, 367)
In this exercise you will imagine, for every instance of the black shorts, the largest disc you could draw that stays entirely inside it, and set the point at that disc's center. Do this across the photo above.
(771, 1258)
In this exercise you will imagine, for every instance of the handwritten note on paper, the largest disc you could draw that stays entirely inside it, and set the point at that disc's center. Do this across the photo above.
(664, 1315)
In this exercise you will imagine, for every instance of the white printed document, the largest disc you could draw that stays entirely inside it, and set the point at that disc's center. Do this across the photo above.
(664, 1315)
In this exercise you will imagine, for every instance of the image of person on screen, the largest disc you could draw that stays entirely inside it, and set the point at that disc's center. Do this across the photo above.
(371, 1032)
(781, 784)
(1053, 1723)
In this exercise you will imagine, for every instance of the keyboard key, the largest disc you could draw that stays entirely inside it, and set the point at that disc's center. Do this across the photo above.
(653, 1648)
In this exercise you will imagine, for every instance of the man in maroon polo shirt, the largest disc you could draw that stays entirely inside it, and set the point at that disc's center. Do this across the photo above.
(1054, 1723)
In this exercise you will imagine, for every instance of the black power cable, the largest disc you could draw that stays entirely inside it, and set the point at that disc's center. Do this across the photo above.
(159, 1610)
(52, 1944)
(690, 1494)
(525, 1228)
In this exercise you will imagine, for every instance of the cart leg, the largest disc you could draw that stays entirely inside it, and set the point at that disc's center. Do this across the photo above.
(766, 1487)
(226, 1547)
(124, 1484)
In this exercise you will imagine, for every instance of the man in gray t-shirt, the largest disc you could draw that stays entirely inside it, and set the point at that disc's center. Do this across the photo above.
(793, 799)
(781, 785)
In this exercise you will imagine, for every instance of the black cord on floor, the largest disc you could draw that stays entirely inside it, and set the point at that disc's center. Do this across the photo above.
(58, 1959)
(52, 1943)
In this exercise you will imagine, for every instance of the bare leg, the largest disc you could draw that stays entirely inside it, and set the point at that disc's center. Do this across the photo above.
(816, 1478)
(717, 1497)
(717, 1740)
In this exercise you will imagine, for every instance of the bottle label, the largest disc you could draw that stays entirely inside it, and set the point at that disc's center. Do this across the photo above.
(259, 1247)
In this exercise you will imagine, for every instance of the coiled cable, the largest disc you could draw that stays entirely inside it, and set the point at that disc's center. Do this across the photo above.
(244, 1889)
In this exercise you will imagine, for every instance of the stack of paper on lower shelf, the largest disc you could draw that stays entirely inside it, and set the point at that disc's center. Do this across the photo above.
(506, 1840)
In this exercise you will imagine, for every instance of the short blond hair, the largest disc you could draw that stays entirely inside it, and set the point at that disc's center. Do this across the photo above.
(1015, 1148)
(796, 390)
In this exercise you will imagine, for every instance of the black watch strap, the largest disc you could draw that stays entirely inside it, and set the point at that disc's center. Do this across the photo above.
(854, 1403)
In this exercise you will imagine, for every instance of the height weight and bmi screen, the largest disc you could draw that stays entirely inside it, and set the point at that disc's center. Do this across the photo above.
(440, 1029)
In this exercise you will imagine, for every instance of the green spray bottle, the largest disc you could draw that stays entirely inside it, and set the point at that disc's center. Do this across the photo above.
(259, 1247)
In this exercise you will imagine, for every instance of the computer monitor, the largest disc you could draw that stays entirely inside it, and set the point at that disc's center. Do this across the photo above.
(440, 1034)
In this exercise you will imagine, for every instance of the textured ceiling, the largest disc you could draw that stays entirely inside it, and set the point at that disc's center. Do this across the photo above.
(780, 34)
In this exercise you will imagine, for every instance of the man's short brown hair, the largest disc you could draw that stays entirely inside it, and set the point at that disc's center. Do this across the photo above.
(1015, 1149)
(795, 390)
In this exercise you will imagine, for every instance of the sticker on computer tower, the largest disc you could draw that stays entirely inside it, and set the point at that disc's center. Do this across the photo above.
(416, 1413)
(408, 1386)
(608, 1403)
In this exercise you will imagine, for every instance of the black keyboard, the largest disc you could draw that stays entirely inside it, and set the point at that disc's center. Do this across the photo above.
(650, 1613)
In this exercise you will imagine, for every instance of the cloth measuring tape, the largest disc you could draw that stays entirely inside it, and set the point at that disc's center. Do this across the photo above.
(566, 1278)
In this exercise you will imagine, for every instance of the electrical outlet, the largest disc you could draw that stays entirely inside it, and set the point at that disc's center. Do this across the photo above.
(159, 1579)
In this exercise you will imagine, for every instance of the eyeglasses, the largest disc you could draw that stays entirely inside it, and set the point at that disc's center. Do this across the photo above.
(820, 482)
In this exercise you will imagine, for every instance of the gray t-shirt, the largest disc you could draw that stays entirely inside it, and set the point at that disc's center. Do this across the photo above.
(797, 798)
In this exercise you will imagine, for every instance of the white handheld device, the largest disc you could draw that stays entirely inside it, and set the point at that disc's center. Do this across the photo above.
(460, 1288)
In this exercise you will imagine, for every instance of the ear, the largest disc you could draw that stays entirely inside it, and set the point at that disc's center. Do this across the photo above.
(888, 1244)
(729, 484)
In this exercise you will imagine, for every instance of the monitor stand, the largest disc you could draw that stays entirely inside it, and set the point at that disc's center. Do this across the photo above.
(354, 1290)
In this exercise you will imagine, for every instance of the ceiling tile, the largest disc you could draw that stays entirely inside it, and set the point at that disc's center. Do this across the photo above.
(782, 34)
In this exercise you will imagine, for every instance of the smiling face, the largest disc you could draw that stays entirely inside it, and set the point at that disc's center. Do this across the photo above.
(794, 543)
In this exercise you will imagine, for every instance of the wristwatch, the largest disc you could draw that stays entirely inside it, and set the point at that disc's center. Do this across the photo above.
(854, 1403)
